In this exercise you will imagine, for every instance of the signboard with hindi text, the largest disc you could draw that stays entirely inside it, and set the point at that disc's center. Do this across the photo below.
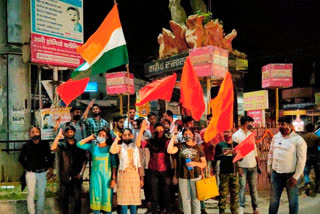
(258, 117)
(209, 61)
(56, 32)
(256, 100)
(277, 76)
(119, 83)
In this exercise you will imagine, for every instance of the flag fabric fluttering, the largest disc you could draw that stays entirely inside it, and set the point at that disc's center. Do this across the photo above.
(222, 110)
(159, 89)
(244, 148)
(71, 89)
(191, 91)
(105, 49)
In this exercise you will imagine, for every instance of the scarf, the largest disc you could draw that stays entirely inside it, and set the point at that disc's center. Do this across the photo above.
(124, 156)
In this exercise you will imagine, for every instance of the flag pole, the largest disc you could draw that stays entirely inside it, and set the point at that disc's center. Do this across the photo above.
(128, 76)
(121, 104)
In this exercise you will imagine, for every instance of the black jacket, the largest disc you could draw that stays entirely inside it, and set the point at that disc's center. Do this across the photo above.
(36, 156)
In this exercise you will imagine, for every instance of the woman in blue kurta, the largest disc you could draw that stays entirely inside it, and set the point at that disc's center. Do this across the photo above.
(103, 172)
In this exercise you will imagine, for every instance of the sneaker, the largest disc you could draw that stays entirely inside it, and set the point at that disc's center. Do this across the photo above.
(241, 210)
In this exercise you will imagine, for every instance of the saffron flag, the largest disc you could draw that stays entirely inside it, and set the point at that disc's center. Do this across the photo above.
(105, 49)
(159, 89)
(191, 91)
(222, 110)
(71, 89)
(244, 148)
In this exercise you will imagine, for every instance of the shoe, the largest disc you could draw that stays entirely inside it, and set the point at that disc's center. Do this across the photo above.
(241, 210)
(203, 211)
(255, 211)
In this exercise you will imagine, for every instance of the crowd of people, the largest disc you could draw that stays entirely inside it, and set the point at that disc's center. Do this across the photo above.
(164, 157)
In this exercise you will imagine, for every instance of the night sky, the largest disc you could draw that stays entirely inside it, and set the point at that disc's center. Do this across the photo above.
(269, 31)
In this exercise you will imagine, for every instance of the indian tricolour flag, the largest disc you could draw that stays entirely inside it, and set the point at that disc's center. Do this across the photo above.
(105, 49)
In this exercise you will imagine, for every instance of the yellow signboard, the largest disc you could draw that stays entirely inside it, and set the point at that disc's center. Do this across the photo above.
(256, 100)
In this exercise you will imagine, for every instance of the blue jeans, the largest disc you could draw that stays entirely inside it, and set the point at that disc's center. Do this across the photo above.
(278, 182)
(250, 176)
(124, 209)
(36, 182)
(188, 192)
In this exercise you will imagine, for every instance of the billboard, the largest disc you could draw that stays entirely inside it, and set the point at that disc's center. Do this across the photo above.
(56, 32)
(256, 100)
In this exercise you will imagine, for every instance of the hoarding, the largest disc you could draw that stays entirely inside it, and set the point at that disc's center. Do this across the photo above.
(119, 83)
(49, 117)
(277, 76)
(56, 32)
(258, 117)
(209, 61)
(256, 100)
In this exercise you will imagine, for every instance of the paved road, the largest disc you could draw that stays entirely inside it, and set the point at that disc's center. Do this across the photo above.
(308, 205)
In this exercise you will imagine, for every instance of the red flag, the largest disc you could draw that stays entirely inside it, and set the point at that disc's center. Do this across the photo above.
(244, 148)
(222, 110)
(71, 89)
(191, 91)
(159, 89)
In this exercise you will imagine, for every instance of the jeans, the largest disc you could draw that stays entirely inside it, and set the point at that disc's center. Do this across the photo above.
(70, 196)
(124, 209)
(36, 181)
(250, 176)
(278, 182)
(188, 192)
(160, 182)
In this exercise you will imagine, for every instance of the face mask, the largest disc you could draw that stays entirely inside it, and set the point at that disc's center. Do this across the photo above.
(284, 131)
(77, 117)
(35, 137)
(249, 127)
(127, 141)
(187, 138)
(100, 139)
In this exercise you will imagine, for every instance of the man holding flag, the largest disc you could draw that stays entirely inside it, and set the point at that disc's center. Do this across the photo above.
(248, 165)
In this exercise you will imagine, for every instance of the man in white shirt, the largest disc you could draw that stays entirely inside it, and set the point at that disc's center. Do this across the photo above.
(286, 161)
(248, 166)
(128, 123)
(168, 115)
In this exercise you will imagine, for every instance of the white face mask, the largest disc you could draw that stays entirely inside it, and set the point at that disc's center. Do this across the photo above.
(101, 139)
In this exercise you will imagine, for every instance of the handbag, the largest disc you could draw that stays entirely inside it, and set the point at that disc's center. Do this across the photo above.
(207, 187)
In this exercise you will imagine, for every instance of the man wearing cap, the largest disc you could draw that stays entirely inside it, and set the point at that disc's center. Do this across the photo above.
(72, 163)
(286, 161)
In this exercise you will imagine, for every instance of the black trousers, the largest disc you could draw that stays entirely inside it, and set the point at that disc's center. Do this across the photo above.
(160, 182)
(70, 196)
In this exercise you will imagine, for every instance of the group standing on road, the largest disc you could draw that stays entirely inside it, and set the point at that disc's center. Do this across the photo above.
(165, 157)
